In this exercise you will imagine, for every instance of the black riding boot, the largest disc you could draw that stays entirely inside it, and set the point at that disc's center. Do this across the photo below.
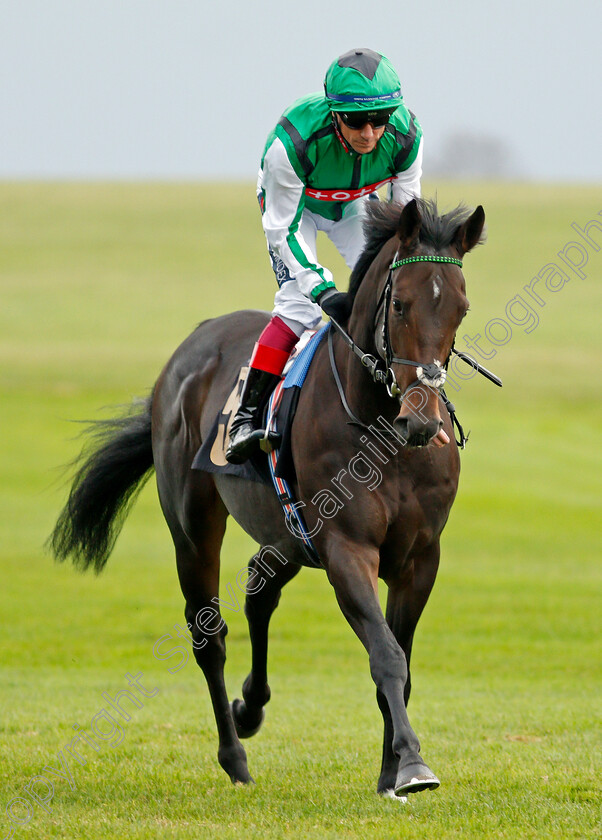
(244, 436)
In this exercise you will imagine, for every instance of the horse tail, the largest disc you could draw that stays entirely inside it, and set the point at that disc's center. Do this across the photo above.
(115, 465)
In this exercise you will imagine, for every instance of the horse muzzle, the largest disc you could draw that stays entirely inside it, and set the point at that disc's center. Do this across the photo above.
(419, 421)
(415, 432)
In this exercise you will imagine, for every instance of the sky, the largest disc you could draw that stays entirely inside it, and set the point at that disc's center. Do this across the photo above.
(189, 89)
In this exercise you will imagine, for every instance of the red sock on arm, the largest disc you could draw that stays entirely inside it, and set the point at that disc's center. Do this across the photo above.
(273, 347)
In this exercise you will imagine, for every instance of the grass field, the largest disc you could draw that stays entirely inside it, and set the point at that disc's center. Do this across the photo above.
(99, 284)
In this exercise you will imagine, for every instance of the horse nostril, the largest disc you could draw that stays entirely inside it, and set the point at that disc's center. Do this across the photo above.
(413, 433)
(401, 425)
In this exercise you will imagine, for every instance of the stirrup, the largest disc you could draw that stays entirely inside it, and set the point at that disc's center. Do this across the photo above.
(270, 441)
(240, 451)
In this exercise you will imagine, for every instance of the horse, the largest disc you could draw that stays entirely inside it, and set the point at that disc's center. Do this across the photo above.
(376, 461)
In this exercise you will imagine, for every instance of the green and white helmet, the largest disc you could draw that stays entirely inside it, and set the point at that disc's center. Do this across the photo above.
(362, 80)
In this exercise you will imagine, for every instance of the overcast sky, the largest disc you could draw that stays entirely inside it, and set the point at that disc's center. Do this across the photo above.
(190, 88)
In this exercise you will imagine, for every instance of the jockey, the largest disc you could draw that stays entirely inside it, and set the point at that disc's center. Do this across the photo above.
(326, 156)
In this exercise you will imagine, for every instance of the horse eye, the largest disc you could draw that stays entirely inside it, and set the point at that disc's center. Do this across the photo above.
(397, 306)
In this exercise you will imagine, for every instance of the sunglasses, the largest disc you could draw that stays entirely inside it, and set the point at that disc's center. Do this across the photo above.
(358, 119)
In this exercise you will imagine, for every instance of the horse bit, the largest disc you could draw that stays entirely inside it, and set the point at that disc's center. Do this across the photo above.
(431, 375)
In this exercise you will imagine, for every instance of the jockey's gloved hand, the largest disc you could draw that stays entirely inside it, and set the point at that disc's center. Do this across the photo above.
(336, 305)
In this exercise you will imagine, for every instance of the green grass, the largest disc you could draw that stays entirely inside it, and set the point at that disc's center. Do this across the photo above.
(99, 285)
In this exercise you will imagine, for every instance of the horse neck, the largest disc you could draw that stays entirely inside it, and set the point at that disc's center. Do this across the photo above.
(366, 398)
(363, 317)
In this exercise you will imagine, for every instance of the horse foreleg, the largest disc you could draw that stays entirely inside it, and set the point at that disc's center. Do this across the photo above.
(353, 572)
(404, 608)
(268, 572)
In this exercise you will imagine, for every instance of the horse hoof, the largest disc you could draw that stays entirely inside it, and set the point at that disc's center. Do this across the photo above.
(244, 729)
(233, 761)
(414, 778)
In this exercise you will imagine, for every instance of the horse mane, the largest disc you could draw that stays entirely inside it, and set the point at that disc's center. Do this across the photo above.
(382, 222)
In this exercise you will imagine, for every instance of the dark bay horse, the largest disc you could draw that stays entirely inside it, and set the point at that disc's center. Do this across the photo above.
(376, 470)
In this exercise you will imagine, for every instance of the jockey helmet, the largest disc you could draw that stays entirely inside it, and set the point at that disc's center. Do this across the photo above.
(362, 80)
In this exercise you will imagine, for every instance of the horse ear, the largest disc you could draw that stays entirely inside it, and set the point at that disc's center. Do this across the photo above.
(470, 233)
(410, 223)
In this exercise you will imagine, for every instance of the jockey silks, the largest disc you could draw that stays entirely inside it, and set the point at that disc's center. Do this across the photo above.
(308, 169)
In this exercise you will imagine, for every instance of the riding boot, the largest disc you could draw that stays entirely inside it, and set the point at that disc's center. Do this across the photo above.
(244, 435)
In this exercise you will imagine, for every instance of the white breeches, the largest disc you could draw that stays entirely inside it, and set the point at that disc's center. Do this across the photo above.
(290, 304)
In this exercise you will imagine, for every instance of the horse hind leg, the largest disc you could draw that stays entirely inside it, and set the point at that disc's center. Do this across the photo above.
(268, 572)
(198, 556)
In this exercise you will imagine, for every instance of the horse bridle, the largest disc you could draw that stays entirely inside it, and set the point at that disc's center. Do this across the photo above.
(431, 375)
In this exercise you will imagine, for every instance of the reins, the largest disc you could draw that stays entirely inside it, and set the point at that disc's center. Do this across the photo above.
(430, 375)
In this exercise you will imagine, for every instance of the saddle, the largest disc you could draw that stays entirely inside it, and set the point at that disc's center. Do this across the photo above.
(277, 420)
